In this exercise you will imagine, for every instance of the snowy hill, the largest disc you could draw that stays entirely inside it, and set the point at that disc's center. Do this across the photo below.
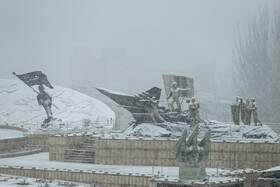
(19, 107)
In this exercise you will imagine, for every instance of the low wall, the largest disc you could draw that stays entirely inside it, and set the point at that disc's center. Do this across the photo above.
(13, 128)
(159, 152)
(41, 141)
(23, 153)
(103, 179)
(110, 179)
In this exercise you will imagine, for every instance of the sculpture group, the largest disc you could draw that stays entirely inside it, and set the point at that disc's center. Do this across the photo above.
(145, 106)
(244, 110)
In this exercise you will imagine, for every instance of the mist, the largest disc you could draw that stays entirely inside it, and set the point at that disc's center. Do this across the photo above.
(124, 45)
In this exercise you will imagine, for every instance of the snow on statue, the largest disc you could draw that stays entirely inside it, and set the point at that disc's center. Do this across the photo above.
(43, 98)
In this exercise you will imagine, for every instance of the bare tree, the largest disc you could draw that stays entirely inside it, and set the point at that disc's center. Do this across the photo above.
(257, 58)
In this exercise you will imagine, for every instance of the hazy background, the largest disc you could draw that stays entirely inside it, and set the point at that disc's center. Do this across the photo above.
(124, 45)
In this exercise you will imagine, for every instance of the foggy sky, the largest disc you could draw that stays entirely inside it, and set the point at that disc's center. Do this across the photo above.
(74, 41)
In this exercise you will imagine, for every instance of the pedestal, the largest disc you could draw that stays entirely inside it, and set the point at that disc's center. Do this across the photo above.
(190, 173)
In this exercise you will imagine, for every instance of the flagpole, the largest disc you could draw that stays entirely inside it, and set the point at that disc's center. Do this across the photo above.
(32, 88)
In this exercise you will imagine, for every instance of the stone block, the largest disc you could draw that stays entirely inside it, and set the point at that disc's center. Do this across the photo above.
(191, 173)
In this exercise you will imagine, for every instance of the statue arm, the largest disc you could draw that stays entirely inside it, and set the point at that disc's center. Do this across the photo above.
(39, 100)
(169, 95)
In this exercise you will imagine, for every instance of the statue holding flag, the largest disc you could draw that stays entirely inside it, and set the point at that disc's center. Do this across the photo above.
(176, 87)
(43, 98)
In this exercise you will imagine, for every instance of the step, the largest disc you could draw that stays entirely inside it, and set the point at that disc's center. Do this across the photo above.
(80, 161)
(79, 157)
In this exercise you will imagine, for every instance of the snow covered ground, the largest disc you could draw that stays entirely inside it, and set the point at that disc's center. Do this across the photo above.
(7, 133)
(19, 107)
(11, 180)
(41, 160)
(219, 131)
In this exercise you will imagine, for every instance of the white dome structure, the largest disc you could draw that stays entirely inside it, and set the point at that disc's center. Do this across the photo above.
(19, 107)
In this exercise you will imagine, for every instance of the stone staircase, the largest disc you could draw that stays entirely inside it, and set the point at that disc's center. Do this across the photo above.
(82, 154)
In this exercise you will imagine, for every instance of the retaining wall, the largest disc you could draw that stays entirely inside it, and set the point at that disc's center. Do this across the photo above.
(159, 152)
(13, 128)
(110, 179)
(41, 141)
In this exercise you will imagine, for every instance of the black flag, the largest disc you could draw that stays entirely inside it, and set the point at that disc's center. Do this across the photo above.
(34, 78)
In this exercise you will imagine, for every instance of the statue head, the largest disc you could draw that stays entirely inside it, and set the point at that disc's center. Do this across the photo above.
(188, 100)
(174, 84)
(41, 88)
(193, 99)
(253, 100)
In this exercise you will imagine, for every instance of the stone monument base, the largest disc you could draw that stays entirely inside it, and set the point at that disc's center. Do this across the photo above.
(191, 173)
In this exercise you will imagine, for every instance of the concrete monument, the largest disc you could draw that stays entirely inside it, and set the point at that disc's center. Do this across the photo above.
(191, 152)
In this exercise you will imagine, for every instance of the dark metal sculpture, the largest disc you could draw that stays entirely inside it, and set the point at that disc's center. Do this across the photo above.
(140, 106)
(191, 152)
(37, 78)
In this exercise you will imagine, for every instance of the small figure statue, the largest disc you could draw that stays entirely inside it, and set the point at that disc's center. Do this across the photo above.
(246, 112)
(194, 112)
(155, 114)
(45, 100)
(253, 108)
(175, 96)
(235, 111)
(188, 101)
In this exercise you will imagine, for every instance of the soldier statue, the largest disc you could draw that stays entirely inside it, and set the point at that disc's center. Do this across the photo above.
(247, 112)
(235, 110)
(45, 100)
(194, 112)
(188, 102)
(155, 114)
(253, 108)
(175, 96)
